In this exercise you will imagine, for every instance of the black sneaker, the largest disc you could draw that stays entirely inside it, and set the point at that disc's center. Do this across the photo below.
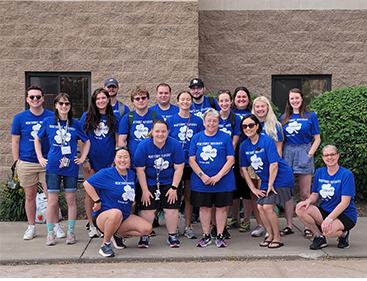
(205, 241)
(213, 232)
(173, 241)
(152, 234)
(106, 250)
(118, 242)
(143, 242)
(226, 233)
(219, 241)
(318, 243)
(343, 242)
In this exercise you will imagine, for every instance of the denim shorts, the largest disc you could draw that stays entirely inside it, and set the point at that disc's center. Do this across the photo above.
(297, 158)
(54, 183)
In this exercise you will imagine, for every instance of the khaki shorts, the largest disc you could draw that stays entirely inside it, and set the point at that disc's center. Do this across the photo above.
(30, 174)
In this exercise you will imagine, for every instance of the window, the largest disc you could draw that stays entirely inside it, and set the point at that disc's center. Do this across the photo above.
(310, 85)
(76, 84)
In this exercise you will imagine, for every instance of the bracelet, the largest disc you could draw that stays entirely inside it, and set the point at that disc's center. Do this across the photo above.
(97, 201)
(174, 187)
(200, 174)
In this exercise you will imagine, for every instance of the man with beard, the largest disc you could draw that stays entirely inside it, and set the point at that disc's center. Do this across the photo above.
(112, 86)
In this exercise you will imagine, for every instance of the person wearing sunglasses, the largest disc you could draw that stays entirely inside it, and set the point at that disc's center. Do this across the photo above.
(135, 126)
(24, 128)
(211, 158)
(160, 162)
(62, 163)
(112, 191)
(259, 151)
(100, 124)
(336, 214)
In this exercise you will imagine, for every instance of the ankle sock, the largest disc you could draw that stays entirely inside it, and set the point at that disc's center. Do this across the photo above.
(50, 228)
(71, 225)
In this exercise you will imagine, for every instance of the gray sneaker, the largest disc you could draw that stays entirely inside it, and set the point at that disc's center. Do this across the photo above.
(258, 231)
(189, 233)
(70, 238)
(51, 239)
(106, 250)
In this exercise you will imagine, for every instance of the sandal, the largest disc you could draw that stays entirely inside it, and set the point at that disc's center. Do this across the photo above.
(286, 231)
(265, 243)
(307, 233)
(275, 244)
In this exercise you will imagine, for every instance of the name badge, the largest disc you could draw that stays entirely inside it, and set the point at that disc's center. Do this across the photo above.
(65, 150)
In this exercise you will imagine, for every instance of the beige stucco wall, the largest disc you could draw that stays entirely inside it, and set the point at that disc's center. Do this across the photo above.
(246, 47)
(138, 42)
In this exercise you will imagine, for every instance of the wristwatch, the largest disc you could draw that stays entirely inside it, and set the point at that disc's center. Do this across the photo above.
(200, 174)
(98, 201)
(174, 187)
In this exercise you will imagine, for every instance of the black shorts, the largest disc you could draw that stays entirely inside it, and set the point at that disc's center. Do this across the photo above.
(158, 202)
(187, 173)
(242, 189)
(347, 222)
(94, 219)
(210, 199)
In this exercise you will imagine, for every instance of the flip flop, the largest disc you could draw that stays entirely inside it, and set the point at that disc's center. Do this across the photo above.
(264, 243)
(276, 243)
(307, 233)
(286, 231)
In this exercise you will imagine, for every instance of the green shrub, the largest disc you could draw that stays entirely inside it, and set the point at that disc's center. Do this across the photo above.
(12, 203)
(342, 116)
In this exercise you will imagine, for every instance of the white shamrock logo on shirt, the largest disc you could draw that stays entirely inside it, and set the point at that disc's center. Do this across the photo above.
(101, 130)
(199, 114)
(225, 130)
(67, 136)
(327, 191)
(293, 127)
(141, 131)
(185, 131)
(129, 193)
(256, 162)
(160, 164)
(208, 153)
(35, 129)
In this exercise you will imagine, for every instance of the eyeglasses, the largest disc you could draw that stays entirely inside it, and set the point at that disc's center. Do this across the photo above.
(140, 98)
(35, 97)
(329, 155)
(251, 126)
(63, 103)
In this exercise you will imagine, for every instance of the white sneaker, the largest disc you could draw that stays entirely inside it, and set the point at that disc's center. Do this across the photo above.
(59, 231)
(258, 231)
(93, 232)
(30, 233)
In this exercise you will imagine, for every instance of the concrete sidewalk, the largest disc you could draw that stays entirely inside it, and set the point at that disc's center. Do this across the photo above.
(13, 249)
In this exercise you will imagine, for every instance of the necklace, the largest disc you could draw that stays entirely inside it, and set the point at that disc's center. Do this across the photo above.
(124, 179)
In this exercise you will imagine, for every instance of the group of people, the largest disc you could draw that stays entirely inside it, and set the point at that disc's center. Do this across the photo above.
(206, 153)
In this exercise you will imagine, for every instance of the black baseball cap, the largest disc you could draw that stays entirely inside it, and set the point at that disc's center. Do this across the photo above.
(196, 82)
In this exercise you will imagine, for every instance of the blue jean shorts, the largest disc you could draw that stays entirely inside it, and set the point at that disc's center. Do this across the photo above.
(297, 158)
(54, 183)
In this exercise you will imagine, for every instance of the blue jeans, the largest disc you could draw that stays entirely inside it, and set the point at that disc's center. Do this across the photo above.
(54, 183)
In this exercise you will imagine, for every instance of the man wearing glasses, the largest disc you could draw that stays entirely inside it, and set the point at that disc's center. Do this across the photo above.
(24, 128)
(112, 86)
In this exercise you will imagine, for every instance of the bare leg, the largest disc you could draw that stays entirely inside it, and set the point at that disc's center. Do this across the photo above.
(109, 222)
(30, 203)
(171, 216)
(304, 186)
(221, 219)
(273, 220)
(135, 226)
(205, 216)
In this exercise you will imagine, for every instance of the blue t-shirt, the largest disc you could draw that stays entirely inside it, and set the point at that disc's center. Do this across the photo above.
(114, 190)
(72, 133)
(102, 143)
(211, 155)
(279, 129)
(241, 112)
(259, 156)
(26, 125)
(183, 129)
(226, 126)
(159, 162)
(200, 109)
(166, 114)
(138, 130)
(300, 130)
(116, 111)
(332, 188)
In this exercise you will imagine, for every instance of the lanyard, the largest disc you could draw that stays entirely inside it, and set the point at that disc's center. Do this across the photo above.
(187, 128)
(63, 136)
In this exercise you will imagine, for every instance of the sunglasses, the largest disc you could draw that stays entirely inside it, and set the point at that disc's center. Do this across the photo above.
(329, 155)
(63, 103)
(35, 97)
(251, 126)
(140, 98)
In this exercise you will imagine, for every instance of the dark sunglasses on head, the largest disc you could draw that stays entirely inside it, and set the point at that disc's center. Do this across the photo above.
(35, 97)
(63, 103)
(251, 126)
(140, 98)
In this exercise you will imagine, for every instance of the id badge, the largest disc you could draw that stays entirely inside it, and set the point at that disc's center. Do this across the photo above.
(65, 150)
